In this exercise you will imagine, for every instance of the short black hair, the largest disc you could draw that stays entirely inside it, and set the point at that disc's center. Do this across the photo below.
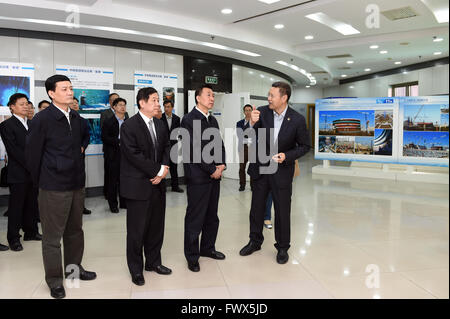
(76, 99)
(13, 98)
(247, 105)
(285, 89)
(113, 93)
(29, 102)
(116, 101)
(50, 83)
(144, 94)
(200, 89)
(167, 102)
(42, 102)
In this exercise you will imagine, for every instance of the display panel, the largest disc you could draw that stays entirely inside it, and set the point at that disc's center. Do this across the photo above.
(15, 78)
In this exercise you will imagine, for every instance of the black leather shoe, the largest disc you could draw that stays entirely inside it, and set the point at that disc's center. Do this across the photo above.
(195, 267)
(87, 275)
(114, 210)
(58, 292)
(162, 270)
(123, 206)
(36, 237)
(87, 211)
(3, 247)
(242, 188)
(282, 256)
(177, 190)
(138, 279)
(249, 249)
(214, 255)
(16, 246)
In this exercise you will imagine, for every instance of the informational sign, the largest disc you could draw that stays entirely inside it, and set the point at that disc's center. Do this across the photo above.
(424, 130)
(357, 129)
(165, 84)
(15, 78)
(91, 86)
(212, 80)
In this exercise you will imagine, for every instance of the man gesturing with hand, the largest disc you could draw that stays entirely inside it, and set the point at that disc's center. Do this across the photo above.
(203, 171)
(145, 147)
(281, 128)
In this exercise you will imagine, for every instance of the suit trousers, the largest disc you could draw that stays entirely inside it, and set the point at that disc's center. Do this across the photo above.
(61, 218)
(145, 230)
(173, 167)
(282, 206)
(21, 213)
(242, 165)
(112, 188)
(201, 218)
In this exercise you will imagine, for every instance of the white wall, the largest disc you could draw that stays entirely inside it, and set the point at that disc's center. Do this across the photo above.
(306, 96)
(46, 54)
(432, 81)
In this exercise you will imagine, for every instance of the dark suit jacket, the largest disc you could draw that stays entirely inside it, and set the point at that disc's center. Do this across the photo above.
(53, 150)
(293, 140)
(200, 173)
(137, 162)
(241, 124)
(110, 138)
(14, 137)
(175, 125)
(108, 114)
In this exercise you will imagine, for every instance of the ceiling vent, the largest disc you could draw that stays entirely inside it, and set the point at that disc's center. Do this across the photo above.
(319, 72)
(339, 56)
(400, 13)
(345, 68)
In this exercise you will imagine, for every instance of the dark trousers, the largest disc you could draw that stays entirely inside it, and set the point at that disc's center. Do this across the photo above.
(61, 218)
(173, 167)
(201, 217)
(145, 230)
(21, 213)
(282, 205)
(242, 164)
(112, 188)
(105, 178)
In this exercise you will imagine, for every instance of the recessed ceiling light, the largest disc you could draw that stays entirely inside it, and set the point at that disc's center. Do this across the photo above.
(309, 37)
(339, 26)
(367, 70)
(250, 72)
(271, 79)
(344, 75)
(351, 87)
(350, 62)
(383, 52)
(398, 62)
(404, 72)
(438, 40)
(373, 47)
(279, 26)
(269, 1)
(308, 86)
(437, 53)
(227, 11)
(262, 76)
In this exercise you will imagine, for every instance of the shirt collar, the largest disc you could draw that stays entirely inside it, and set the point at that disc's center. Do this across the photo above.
(206, 115)
(66, 113)
(168, 117)
(21, 119)
(145, 118)
(275, 114)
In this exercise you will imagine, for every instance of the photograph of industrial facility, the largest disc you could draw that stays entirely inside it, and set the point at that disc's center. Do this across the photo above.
(382, 144)
(384, 119)
(444, 122)
(345, 144)
(426, 144)
(327, 144)
(364, 145)
(352, 123)
(422, 117)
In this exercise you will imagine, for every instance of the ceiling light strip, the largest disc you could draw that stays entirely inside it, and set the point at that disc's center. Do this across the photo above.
(310, 77)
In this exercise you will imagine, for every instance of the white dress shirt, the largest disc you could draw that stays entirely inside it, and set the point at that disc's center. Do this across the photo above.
(206, 115)
(169, 121)
(22, 120)
(66, 113)
(277, 122)
(152, 127)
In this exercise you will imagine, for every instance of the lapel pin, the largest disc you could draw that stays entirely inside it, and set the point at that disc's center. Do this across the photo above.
(289, 118)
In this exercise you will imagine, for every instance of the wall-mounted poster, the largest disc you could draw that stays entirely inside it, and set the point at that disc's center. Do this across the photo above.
(165, 84)
(424, 131)
(15, 78)
(356, 129)
(91, 86)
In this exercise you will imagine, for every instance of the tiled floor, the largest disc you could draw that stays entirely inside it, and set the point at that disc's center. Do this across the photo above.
(344, 230)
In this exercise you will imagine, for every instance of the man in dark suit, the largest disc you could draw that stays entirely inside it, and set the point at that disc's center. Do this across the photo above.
(172, 121)
(243, 142)
(285, 130)
(54, 153)
(111, 147)
(21, 213)
(144, 145)
(203, 177)
(85, 137)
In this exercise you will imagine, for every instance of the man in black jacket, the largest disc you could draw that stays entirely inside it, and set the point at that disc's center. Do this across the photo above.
(54, 153)
(172, 121)
(21, 210)
(285, 139)
(111, 148)
(144, 145)
(203, 177)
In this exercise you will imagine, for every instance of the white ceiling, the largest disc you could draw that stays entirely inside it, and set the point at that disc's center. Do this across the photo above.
(198, 20)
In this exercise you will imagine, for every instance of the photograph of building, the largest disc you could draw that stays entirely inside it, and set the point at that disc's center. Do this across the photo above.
(345, 144)
(384, 119)
(422, 118)
(352, 123)
(383, 142)
(364, 145)
(426, 144)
